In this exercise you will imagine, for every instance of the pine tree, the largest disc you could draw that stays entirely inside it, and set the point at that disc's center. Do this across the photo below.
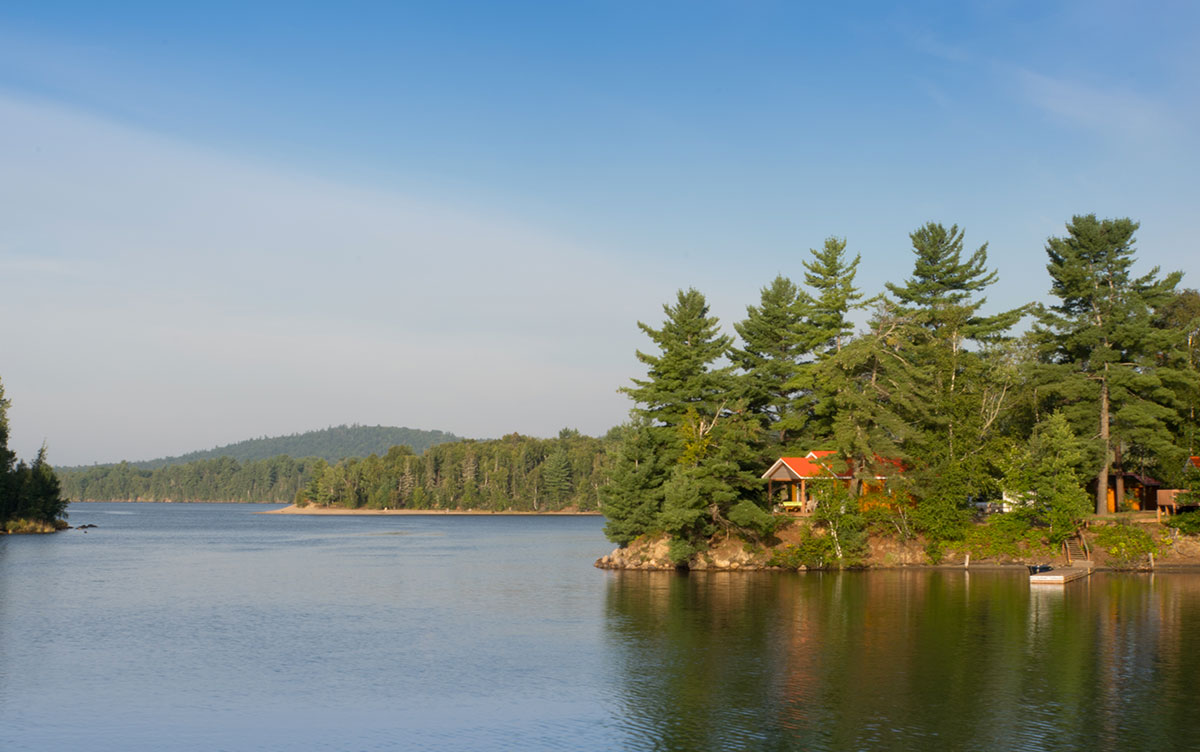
(1045, 477)
(709, 479)
(632, 498)
(556, 476)
(835, 297)
(775, 340)
(1101, 347)
(872, 391)
(954, 443)
(1182, 314)
(682, 374)
(831, 277)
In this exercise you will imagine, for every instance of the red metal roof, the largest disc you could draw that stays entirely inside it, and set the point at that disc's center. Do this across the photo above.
(816, 464)
(1194, 462)
(808, 466)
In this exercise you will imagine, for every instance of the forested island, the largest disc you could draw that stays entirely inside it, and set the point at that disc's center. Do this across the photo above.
(936, 409)
(30, 499)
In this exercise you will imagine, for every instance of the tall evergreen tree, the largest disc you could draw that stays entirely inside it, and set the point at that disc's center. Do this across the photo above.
(872, 392)
(834, 298)
(1182, 314)
(1044, 477)
(775, 339)
(683, 375)
(943, 299)
(709, 479)
(831, 277)
(1100, 342)
(632, 498)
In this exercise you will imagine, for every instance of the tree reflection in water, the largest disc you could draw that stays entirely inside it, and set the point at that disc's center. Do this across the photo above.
(917, 659)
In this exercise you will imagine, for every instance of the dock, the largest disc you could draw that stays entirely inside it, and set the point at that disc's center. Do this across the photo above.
(1059, 576)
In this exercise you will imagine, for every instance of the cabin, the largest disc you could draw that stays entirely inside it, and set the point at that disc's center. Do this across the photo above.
(795, 474)
(1141, 492)
(1167, 498)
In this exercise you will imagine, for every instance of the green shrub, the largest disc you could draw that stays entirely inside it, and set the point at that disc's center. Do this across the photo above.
(1187, 523)
(1006, 535)
(680, 551)
(935, 551)
(1128, 546)
(750, 517)
(812, 552)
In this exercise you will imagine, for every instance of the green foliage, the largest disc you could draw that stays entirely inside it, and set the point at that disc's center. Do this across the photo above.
(1044, 478)
(694, 436)
(942, 513)
(838, 513)
(933, 399)
(1102, 347)
(682, 374)
(30, 497)
(812, 552)
(632, 498)
(775, 342)
(1191, 487)
(831, 276)
(1128, 546)
(1187, 523)
(754, 519)
(961, 398)
(681, 550)
(1008, 535)
(502, 474)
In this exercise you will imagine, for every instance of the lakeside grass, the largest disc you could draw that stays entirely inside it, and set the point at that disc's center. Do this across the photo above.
(32, 527)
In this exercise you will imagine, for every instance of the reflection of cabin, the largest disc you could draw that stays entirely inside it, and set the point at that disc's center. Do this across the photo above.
(794, 474)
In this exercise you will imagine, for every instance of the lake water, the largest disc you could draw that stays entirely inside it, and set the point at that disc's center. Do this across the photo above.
(210, 627)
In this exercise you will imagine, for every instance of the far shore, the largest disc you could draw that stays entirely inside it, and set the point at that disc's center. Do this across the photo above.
(342, 511)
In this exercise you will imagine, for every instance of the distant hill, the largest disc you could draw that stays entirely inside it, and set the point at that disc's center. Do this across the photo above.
(330, 444)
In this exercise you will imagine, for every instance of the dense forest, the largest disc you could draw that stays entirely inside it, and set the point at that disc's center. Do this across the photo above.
(936, 405)
(516, 472)
(277, 479)
(330, 444)
(512, 473)
(30, 499)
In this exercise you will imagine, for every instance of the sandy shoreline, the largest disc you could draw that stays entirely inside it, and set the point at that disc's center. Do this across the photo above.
(339, 511)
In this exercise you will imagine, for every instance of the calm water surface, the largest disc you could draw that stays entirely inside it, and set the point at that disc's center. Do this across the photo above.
(210, 627)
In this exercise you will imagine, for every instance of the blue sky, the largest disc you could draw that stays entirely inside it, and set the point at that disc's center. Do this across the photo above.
(220, 221)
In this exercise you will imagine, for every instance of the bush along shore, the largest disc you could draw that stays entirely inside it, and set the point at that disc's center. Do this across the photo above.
(1120, 542)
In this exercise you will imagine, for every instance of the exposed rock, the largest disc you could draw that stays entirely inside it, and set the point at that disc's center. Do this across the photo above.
(643, 553)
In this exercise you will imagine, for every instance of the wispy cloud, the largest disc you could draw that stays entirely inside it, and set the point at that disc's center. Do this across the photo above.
(1109, 111)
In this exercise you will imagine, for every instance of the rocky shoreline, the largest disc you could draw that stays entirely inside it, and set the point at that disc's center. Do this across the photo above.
(730, 554)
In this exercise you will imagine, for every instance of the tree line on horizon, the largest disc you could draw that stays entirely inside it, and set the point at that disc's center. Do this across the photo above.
(512, 473)
(1105, 382)
(331, 444)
